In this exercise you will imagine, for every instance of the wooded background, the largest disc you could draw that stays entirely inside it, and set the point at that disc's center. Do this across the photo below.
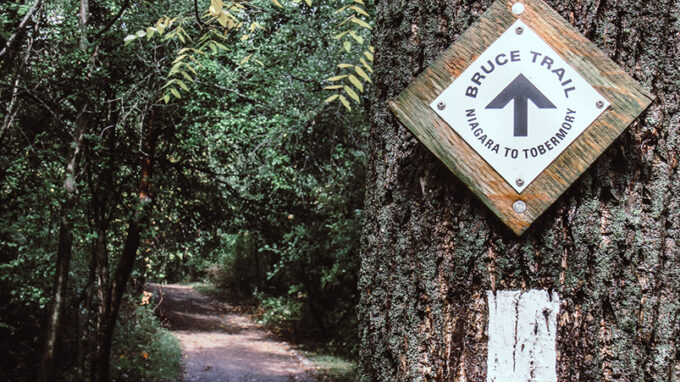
(163, 141)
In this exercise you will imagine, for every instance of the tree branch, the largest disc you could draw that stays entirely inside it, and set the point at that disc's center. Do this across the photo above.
(198, 17)
(108, 26)
(12, 39)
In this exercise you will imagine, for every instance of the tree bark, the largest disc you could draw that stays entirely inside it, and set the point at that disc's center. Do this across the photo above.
(64, 251)
(64, 248)
(608, 247)
(110, 292)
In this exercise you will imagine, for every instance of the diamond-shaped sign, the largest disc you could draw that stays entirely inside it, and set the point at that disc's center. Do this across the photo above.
(519, 107)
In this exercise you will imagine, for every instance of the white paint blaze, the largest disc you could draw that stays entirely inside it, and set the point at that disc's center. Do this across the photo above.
(522, 333)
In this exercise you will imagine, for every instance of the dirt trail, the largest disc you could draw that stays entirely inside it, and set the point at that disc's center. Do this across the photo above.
(222, 345)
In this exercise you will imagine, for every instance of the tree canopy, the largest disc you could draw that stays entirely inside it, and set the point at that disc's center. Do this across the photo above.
(170, 142)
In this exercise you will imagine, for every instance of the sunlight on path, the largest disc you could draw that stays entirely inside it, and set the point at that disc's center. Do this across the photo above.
(222, 345)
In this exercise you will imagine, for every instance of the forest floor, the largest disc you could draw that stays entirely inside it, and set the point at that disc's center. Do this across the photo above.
(221, 344)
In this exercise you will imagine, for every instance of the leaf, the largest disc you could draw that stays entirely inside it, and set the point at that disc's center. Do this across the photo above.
(359, 10)
(190, 68)
(245, 37)
(341, 9)
(129, 38)
(331, 98)
(215, 7)
(309, 2)
(176, 67)
(361, 23)
(141, 33)
(258, 62)
(340, 35)
(168, 83)
(223, 19)
(333, 87)
(277, 3)
(336, 78)
(347, 46)
(356, 36)
(186, 76)
(359, 2)
(355, 81)
(182, 85)
(246, 58)
(175, 93)
(362, 74)
(368, 55)
(345, 21)
(345, 102)
(343, 66)
(350, 92)
(366, 65)
(179, 58)
(149, 32)
(160, 25)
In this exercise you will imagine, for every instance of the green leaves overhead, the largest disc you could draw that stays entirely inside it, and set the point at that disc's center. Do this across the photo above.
(219, 21)
(353, 37)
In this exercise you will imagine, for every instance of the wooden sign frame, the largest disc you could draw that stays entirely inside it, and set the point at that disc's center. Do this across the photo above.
(627, 97)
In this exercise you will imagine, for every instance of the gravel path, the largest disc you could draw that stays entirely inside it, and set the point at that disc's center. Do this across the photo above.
(222, 345)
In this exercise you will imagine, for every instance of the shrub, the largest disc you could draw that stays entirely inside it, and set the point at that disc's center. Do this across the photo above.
(142, 350)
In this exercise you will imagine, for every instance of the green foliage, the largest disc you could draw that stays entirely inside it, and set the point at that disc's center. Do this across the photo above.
(270, 179)
(332, 368)
(238, 269)
(354, 37)
(142, 349)
(255, 179)
(279, 310)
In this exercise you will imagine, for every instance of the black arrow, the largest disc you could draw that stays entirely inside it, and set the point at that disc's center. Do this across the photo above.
(520, 90)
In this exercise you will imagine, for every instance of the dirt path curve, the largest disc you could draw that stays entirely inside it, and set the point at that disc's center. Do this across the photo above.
(221, 345)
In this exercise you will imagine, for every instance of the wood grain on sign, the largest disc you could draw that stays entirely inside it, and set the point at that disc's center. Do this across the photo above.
(628, 99)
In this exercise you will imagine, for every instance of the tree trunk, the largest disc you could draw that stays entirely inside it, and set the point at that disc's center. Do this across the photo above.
(431, 250)
(64, 250)
(111, 292)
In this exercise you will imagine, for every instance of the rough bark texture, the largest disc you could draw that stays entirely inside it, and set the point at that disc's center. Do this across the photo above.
(608, 246)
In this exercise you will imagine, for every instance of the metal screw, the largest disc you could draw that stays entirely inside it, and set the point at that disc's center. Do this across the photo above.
(519, 30)
(599, 104)
(519, 182)
(518, 8)
(441, 105)
(519, 206)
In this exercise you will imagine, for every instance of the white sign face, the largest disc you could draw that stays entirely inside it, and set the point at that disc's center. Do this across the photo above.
(522, 336)
(519, 105)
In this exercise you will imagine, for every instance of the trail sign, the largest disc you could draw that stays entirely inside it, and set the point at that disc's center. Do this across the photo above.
(519, 107)
(520, 140)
